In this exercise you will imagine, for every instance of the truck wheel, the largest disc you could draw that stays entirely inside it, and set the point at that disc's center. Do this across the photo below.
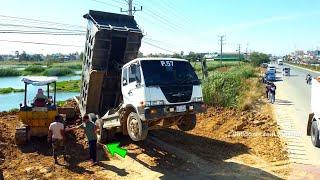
(315, 134)
(137, 129)
(103, 133)
(188, 122)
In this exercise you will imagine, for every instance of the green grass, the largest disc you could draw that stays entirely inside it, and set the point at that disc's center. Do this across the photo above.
(226, 88)
(9, 72)
(69, 86)
(314, 68)
(58, 72)
(213, 65)
(10, 90)
(34, 69)
(75, 65)
(60, 103)
(14, 110)
(55, 68)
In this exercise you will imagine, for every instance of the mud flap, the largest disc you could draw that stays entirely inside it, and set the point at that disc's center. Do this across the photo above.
(310, 118)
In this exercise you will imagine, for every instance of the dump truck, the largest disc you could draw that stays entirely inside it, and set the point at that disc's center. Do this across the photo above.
(130, 95)
(313, 127)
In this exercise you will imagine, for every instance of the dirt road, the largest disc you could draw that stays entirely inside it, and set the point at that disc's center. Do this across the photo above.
(213, 149)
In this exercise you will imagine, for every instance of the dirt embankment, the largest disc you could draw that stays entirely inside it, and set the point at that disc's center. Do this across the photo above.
(221, 135)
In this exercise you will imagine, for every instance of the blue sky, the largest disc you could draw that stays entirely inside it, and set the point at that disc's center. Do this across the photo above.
(270, 26)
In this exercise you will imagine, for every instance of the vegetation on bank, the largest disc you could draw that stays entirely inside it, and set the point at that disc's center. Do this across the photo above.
(4, 72)
(257, 59)
(227, 88)
(46, 68)
(58, 72)
(307, 66)
(34, 69)
(69, 86)
(10, 90)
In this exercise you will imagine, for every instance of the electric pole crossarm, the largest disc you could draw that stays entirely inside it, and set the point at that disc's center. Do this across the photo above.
(131, 10)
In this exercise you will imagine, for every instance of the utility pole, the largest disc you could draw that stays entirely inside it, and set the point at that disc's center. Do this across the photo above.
(239, 51)
(221, 41)
(247, 52)
(239, 47)
(131, 11)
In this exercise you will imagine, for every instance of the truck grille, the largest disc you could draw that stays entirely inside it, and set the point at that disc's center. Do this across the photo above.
(176, 94)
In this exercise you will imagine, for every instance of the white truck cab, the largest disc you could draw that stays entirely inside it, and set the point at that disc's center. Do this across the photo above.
(163, 91)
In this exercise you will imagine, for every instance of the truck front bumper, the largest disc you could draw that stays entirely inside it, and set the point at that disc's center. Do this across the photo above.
(167, 111)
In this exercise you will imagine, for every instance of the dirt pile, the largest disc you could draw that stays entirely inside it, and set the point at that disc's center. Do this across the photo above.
(229, 132)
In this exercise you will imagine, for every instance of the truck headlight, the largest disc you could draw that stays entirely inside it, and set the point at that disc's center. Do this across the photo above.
(154, 103)
(197, 99)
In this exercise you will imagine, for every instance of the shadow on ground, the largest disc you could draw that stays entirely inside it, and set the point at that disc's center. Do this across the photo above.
(283, 102)
(212, 152)
(75, 154)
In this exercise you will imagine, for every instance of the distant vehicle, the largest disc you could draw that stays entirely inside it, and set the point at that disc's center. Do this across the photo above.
(313, 127)
(271, 68)
(270, 76)
(280, 62)
(286, 71)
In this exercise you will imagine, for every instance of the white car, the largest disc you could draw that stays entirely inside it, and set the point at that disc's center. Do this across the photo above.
(271, 68)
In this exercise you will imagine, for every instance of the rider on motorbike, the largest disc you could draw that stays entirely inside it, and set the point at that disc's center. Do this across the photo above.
(308, 78)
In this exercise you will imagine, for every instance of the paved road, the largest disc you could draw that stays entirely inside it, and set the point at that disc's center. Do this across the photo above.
(294, 91)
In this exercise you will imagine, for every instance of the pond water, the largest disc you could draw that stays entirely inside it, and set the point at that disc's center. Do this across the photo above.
(12, 100)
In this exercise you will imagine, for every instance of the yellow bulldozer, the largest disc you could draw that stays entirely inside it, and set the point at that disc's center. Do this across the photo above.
(36, 116)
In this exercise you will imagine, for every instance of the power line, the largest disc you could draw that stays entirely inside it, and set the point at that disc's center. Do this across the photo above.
(41, 27)
(31, 42)
(162, 20)
(40, 32)
(120, 2)
(168, 8)
(105, 3)
(149, 43)
(42, 21)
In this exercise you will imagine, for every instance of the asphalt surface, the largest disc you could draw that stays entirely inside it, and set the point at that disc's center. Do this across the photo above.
(298, 93)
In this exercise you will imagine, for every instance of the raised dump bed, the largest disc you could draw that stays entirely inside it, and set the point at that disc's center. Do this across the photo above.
(112, 40)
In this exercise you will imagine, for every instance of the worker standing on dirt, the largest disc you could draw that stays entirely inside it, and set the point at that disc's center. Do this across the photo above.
(56, 136)
(267, 89)
(90, 129)
(272, 93)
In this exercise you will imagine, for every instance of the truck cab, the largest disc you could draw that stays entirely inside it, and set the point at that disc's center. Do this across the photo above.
(162, 90)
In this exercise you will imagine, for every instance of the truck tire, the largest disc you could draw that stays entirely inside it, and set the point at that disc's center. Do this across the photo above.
(188, 122)
(103, 133)
(137, 130)
(315, 134)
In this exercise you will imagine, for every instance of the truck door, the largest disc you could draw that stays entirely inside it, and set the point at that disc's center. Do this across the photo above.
(131, 87)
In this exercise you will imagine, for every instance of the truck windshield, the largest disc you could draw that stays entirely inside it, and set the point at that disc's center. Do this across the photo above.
(167, 72)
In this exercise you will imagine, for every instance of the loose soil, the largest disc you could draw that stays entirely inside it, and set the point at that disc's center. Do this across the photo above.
(236, 144)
